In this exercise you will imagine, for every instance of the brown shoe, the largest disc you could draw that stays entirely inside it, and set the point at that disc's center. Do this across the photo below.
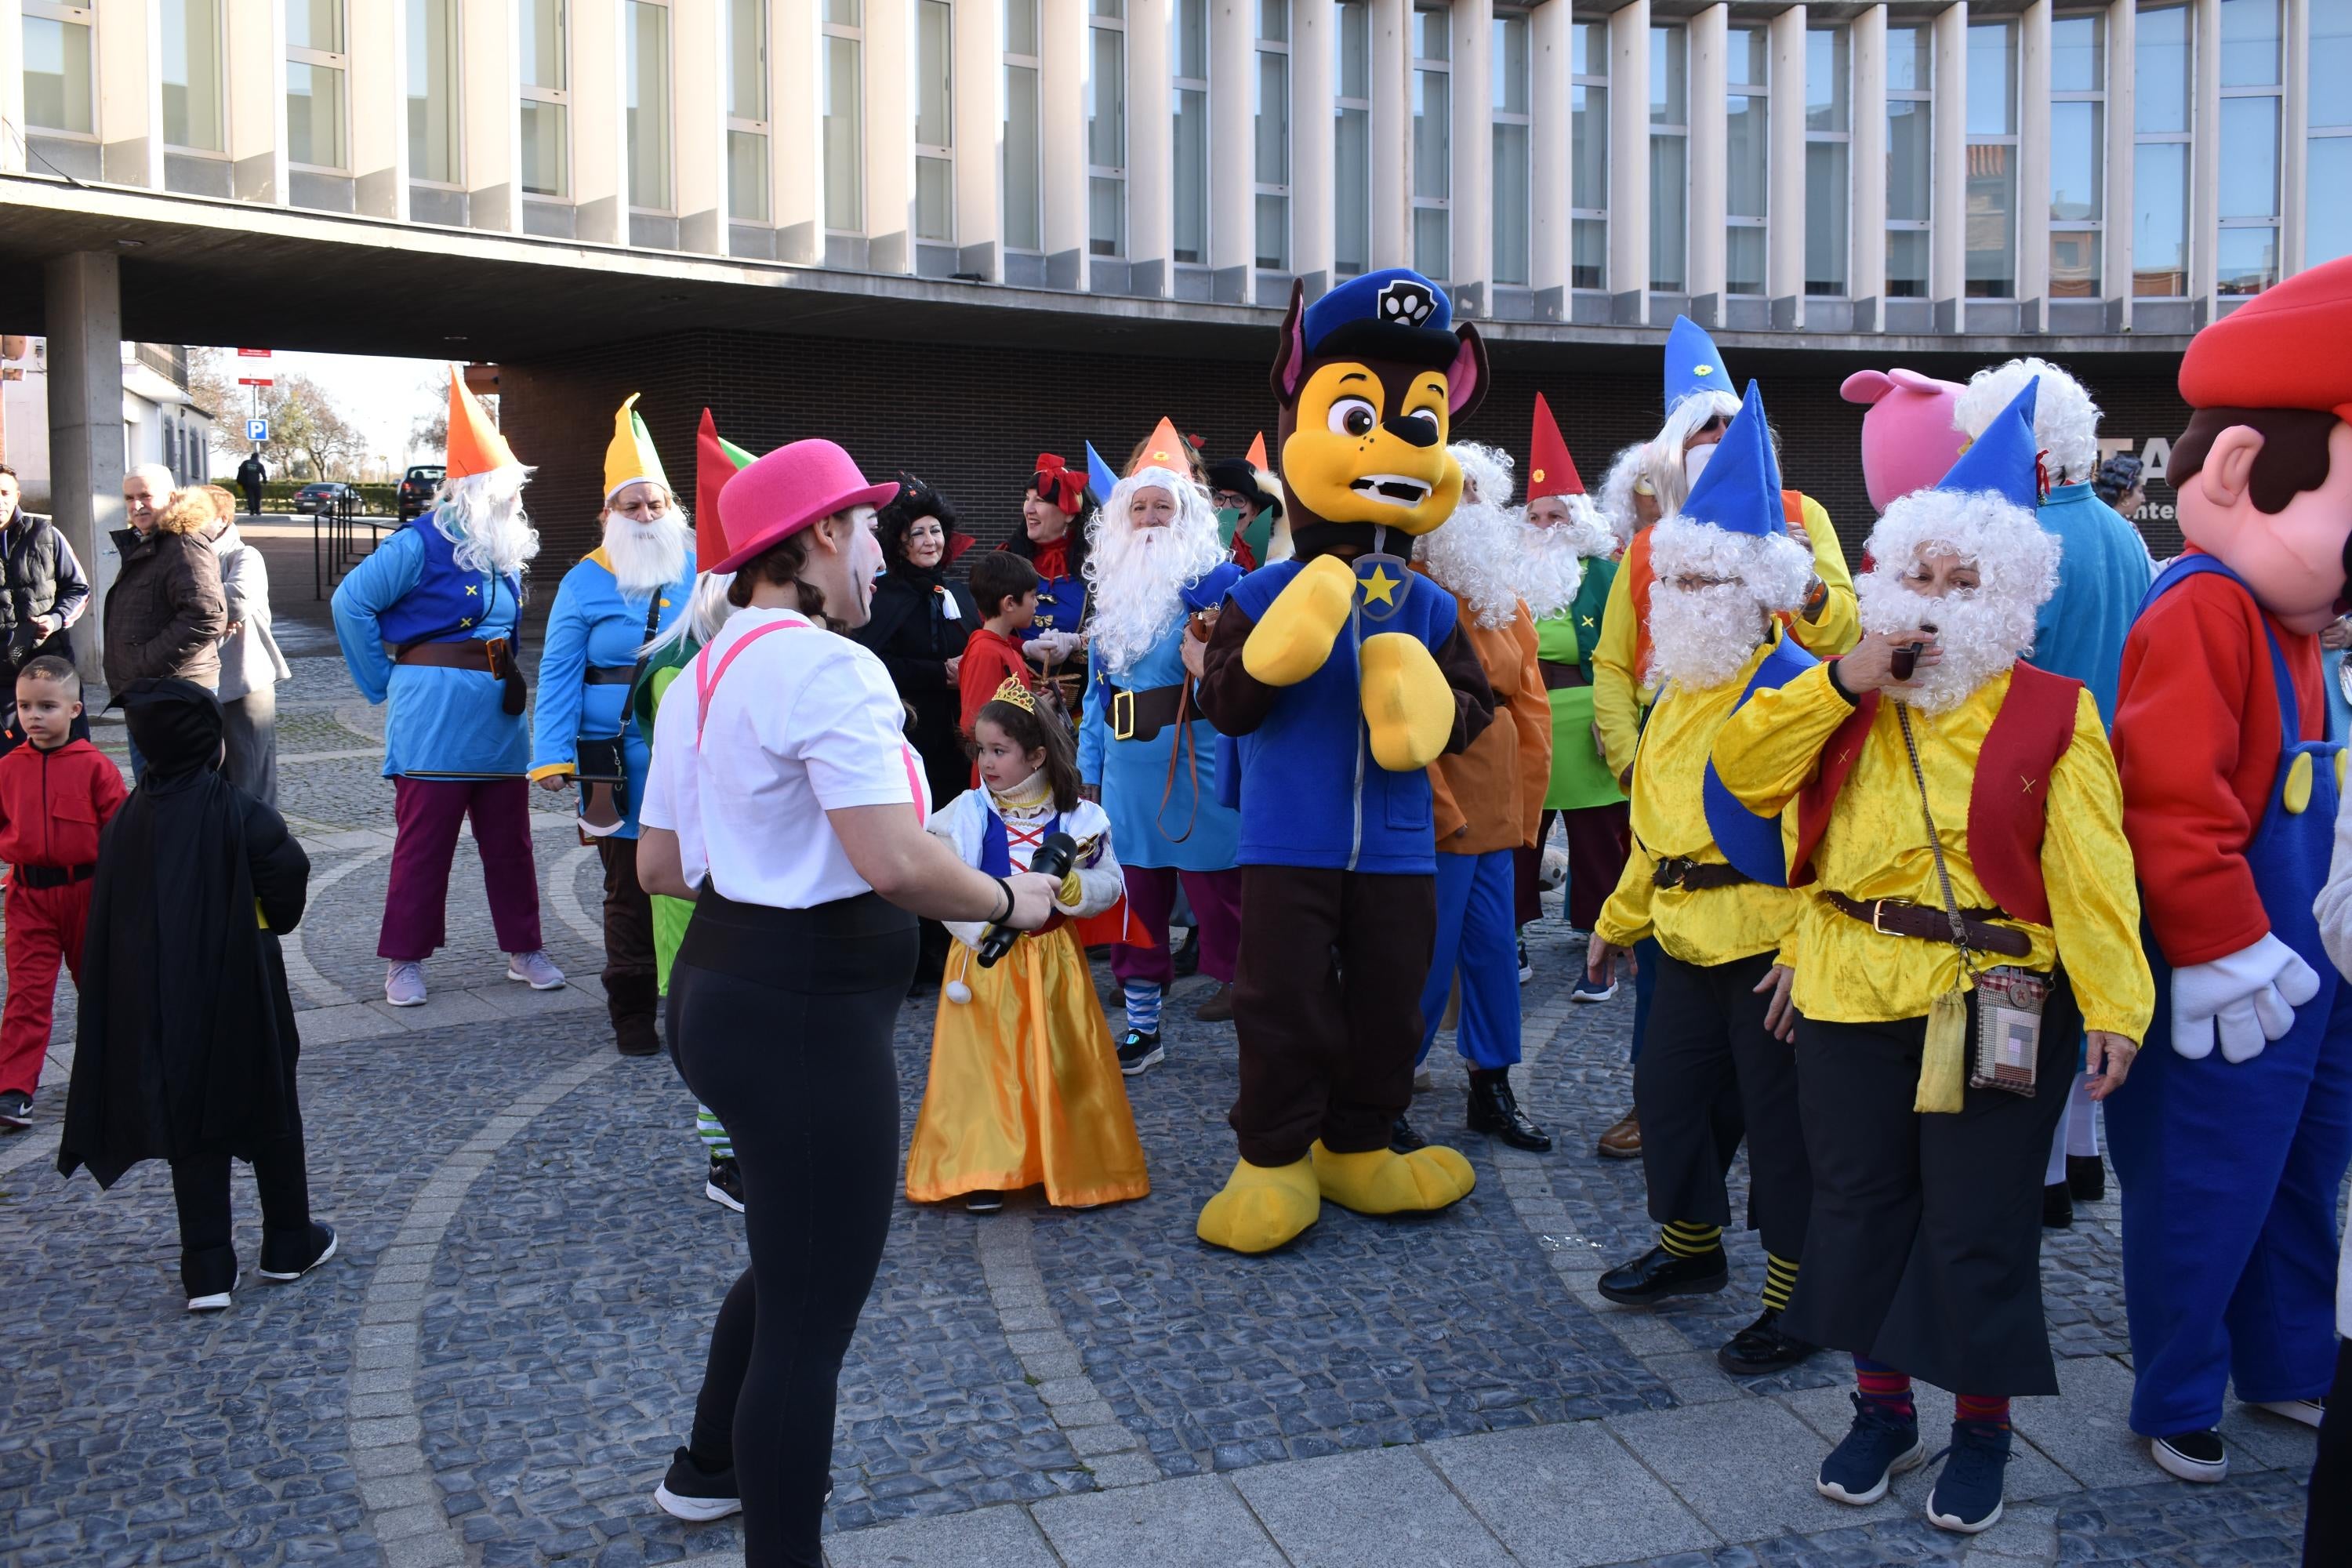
(1624, 1138)
(1218, 1008)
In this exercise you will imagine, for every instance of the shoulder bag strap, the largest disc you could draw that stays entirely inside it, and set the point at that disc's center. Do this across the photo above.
(1935, 845)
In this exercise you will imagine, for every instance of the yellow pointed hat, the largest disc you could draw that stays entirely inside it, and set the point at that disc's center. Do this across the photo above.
(474, 445)
(631, 456)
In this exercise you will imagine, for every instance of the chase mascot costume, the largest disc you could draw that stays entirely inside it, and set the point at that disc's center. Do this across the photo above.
(1344, 675)
(2233, 1132)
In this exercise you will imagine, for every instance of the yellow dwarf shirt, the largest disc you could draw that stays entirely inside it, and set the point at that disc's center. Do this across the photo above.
(1712, 925)
(1619, 689)
(1876, 846)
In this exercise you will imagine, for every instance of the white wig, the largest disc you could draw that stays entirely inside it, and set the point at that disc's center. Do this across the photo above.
(2065, 420)
(1476, 554)
(1617, 490)
(1488, 468)
(1773, 567)
(706, 612)
(1135, 586)
(482, 516)
(1665, 466)
(2015, 557)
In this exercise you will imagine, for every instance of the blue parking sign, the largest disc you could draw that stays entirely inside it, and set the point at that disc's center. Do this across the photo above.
(257, 429)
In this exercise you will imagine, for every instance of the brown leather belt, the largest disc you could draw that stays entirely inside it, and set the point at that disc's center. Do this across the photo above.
(1142, 715)
(609, 675)
(1693, 876)
(1899, 917)
(492, 655)
(1561, 676)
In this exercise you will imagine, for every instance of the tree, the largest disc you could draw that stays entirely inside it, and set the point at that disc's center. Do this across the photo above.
(429, 431)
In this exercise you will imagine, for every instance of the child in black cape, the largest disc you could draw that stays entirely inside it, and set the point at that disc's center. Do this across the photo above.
(187, 1041)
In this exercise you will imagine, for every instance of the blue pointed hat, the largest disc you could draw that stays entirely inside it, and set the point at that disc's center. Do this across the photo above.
(1693, 364)
(2005, 459)
(1099, 479)
(1738, 491)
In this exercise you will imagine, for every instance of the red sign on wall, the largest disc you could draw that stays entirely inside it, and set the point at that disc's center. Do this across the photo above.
(253, 353)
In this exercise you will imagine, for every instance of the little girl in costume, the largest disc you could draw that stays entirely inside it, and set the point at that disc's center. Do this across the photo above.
(1025, 1084)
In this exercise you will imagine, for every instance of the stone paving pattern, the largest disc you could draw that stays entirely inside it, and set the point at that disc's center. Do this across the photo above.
(1040, 1386)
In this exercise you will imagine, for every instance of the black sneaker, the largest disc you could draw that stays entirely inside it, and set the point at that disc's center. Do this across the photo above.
(280, 1269)
(725, 1184)
(1403, 1138)
(1187, 957)
(983, 1202)
(1527, 969)
(1763, 1346)
(2086, 1177)
(1139, 1051)
(2193, 1455)
(1967, 1495)
(690, 1493)
(2057, 1207)
(1882, 1444)
(15, 1108)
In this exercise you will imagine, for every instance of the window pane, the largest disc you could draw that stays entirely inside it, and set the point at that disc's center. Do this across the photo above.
(1106, 216)
(1744, 260)
(1669, 77)
(2248, 260)
(1745, 151)
(1351, 158)
(1431, 253)
(1023, 224)
(2327, 219)
(934, 68)
(1588, 48)
(2250, 156)
(1906, 263)
(315, 25)
(1273, 119)
(1992, 222)
(1992, 78)
(314, 115)
(1589, 147)
(1510, 68)
(1746, 67)
(431, 89)
(2078, 53)
(2160, 73)
(1273, 233)
(57, 75)
(935, 200)
(845, 194)
(648, 105)
(1020, 26)
(1113, 8)
(2074, 264)
(846, 13)
(747, 176)
(1274, 21)
(1354, 38)
(2161, 218)
(1431, 39)
(546, 156)
(1828, 77)
(1669, 214)
(2077, 161)
(2250, 42)
(1512, 193)
(1588, 255)
(192, 116)
(1192, 232)
(747, 59)
(2329, 79)
(1909, 59)
(540, 25)
(1910, 147)
(1432, 133)
(1191, 21)
(1826, 209)
(1106, 99)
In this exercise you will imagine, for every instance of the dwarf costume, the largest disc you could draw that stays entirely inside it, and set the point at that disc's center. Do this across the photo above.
(1344, 675)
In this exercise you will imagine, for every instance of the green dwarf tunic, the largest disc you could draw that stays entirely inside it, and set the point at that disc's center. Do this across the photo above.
(1580, 776)
(670, 915)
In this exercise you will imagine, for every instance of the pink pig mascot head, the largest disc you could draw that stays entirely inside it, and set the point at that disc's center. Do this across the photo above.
(2265, 470)
(1907, 439)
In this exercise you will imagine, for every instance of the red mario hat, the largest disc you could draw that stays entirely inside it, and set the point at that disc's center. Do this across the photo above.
(785, 491)
(2288, 347)
(1551, 470)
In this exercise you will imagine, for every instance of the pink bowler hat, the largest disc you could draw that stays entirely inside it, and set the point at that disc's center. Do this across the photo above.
(783, 493)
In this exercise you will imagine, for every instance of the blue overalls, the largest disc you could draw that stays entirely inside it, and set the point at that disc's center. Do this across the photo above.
(2231, 1171)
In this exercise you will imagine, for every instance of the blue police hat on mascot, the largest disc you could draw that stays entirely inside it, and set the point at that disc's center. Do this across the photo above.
(2005, 459)
(1394, 313)
(1693, 362)
(1738, 491)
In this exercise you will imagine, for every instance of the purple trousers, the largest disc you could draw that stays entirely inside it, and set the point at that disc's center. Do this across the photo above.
(1216, 904)
(427, 813)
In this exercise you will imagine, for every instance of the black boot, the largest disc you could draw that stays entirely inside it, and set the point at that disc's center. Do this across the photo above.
(632, 1000)
(2086, 1177)
(2057, 1207)
(1495, 1109)
(1658, 1274)
(1403, 1138)
(1761, 1347)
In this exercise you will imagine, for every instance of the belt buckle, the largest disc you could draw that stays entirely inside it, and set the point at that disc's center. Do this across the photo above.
(1122, 715)
(1878, 905)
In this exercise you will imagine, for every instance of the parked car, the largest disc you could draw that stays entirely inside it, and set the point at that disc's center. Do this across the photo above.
(319, 495)
(416, 488)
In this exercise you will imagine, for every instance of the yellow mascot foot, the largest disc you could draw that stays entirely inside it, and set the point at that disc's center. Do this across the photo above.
(1379, 1181)
(1408, 706)
(1262, 1206)
(1295, 638)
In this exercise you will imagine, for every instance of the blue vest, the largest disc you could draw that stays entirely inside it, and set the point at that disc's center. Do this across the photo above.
(1752, 843)
(439, 609)
(1311, 794)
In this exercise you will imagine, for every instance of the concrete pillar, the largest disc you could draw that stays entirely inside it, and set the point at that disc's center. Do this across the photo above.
(1702, 269)
(378, 41)
(12, 84)
(1233, 146)
(1150, 150)
(979, 122)
(1866, 161)
(1392, 132)
(1470, 226)
(1549, 89)
(1629, 162)
(1784, 225)
(1062, 136)
(129, 45)
(2033, 166)
(698, 106)
(82, 309)
(2205, 158)
(599, 121)
(1948, 238)
(2123, 108)
(256, 31)
(889, 135)
(796, 131)
(1314, 45)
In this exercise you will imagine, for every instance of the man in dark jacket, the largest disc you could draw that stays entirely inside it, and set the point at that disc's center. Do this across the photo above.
(166, 612)
(250, 476)
(43, 592)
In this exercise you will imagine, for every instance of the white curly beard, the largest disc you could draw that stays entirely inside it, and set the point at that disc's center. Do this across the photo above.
(646, 555)
(1137, 578)
(1548, 561)
(1700, 637)
(1981, 633)
(482, 516)
(1472, 554)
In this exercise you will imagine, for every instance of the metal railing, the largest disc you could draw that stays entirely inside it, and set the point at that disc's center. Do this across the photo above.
(335, 540)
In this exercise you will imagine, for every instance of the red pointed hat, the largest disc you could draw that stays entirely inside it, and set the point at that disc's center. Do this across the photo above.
(1551, 470)
(2288, 347)
(776, 495)
(716, 461)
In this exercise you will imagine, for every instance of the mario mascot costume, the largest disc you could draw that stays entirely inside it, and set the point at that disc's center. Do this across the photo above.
(2230, 1158)
(1344, 674)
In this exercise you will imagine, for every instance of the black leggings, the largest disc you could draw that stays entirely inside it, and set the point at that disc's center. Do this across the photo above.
(781, 1023)
(200, 1184)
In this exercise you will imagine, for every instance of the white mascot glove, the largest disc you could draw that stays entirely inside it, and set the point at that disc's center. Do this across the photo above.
(2247, 999)
(1051, 647)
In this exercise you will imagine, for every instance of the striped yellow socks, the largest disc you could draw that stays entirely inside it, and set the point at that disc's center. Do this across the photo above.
(1780, 1282)
(1685, 1239)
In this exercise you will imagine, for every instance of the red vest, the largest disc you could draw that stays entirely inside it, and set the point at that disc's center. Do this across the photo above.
(2007, 801)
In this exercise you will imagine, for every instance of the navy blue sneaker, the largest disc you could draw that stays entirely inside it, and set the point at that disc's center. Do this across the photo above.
(1881, 1445)
(1967, 1496)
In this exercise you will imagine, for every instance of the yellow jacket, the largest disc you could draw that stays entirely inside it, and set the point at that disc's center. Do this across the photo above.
(1875, 846)
(1713, 925)
(1619, 692)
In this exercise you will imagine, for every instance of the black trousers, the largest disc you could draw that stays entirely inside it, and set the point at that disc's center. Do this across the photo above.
(1924, 1250)
(2327, 1527)
(631, 988)
(781, 1023)
(1709, 1073)
(1327, 998)
(200, 1189)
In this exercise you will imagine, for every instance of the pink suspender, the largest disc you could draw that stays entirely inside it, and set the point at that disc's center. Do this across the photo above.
(706, 679)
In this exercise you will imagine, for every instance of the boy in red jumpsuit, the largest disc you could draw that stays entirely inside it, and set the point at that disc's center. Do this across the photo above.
(2230, 1158)
(56, 794)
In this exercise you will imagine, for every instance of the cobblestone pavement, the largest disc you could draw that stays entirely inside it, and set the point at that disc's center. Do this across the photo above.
(496, 1368)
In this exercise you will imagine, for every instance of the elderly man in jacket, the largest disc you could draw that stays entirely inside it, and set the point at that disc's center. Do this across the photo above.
(45, 592)
(166, 612)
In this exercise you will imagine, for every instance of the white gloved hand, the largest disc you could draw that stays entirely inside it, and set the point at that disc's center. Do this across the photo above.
(1052, 647)
(2245, 999)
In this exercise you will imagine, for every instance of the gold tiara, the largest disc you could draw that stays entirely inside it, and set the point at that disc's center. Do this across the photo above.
(1020, 696)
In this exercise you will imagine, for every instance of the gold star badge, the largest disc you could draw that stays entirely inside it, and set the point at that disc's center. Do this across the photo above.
(1380, 588)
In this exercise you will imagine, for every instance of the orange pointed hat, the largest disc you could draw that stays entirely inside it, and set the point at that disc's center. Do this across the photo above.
(1165, 450)
(1551, 470)
(474, 446)
(1257, 452)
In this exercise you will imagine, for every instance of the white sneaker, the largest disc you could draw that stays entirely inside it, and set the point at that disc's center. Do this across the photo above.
(535, 970)
(2310, 1412)
(218, 1299)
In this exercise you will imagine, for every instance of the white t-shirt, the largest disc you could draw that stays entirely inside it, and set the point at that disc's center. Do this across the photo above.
(803, 722)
